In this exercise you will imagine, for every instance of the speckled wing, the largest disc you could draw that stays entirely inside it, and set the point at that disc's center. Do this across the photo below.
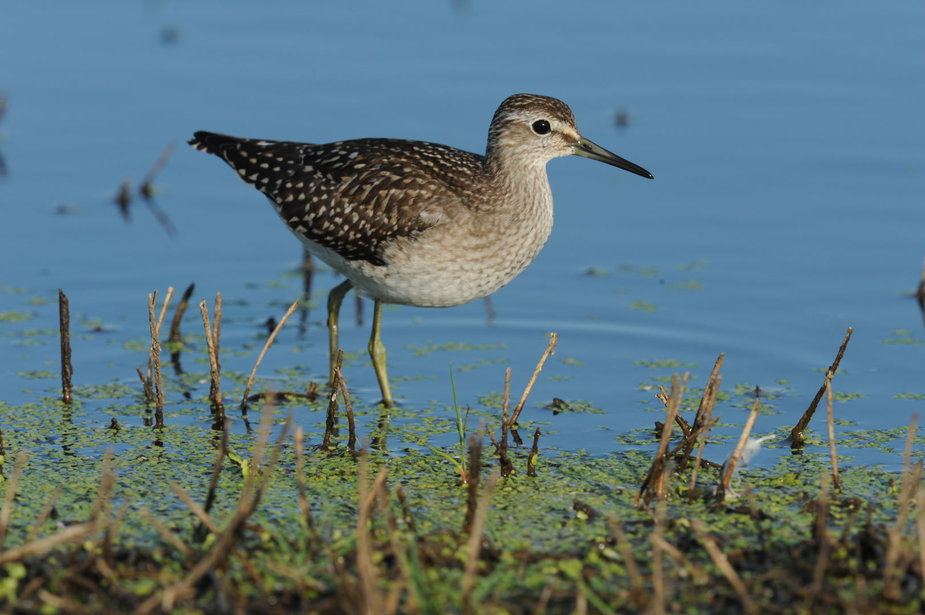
(352, 197)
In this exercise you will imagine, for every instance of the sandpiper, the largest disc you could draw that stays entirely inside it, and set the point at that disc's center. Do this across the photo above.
(418, 223)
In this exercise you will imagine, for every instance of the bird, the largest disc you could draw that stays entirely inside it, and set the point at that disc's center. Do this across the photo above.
(412, 222)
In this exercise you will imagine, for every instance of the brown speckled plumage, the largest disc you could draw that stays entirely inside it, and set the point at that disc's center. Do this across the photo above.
(420, 223)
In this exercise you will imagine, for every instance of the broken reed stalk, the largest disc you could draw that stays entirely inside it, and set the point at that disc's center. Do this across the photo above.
(67, 369)
(175, 336)
(213, 333)
(154, 361)
(263, 351)
(912, 474)
(703, 422)
(550, 349)
(705, 408)
(654, 482)
(472, 487)
(534, 453)
(722, 562)
(507, 467)
(796, 434)
(348, 407)
(830, 420)
(730, 466)
(474, 544)
(146, 384)
(330, 423)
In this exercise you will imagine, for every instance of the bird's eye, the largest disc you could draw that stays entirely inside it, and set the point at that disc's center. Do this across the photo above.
(541, 127)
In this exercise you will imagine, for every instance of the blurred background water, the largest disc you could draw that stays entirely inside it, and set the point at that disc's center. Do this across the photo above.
(786, 142)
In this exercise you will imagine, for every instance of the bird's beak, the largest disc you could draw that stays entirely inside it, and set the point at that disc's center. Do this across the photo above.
(590, 149)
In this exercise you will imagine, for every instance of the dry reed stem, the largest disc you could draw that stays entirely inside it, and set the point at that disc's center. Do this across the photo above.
(730, 466)
(507, 467)
(348, 407)
(706, 422)
(212, 344)
(8, 501)
(474, 544)
(64, 327)
(654, 481)
(722, 562)
(154, 362)
(146, 384)
(534, 453)
(796, 434)
(71, 533)
(175, 336)
(330, 423)
(550, 349)
(472, 487)
(263, 351)
(830, 420)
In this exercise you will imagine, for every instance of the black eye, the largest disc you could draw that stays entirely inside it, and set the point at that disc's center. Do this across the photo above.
(541, 127)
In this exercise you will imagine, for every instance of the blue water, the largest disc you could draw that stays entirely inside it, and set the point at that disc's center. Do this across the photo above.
(786, 142)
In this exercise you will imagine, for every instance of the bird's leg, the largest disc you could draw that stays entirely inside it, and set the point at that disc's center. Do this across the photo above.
(335, 298)
(377, 354)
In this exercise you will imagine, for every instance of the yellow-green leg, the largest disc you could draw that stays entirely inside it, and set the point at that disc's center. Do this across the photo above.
(335, 298)
(377, 354)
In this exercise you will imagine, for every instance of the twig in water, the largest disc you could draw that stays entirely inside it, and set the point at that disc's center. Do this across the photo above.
(215, 369)
(263, 351)
(330, 423)
(796, 434)
(653, 484)
(703, 421)
(534, 453)
(507, 468)
(348, 407)
(830, 419)
(730, 466)
(176, 339)
(550, 349)
(472, 490)
(154, 362)
(146, 384)
(67, 369)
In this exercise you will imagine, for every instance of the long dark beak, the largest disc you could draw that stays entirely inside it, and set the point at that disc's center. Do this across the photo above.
(590, 149)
